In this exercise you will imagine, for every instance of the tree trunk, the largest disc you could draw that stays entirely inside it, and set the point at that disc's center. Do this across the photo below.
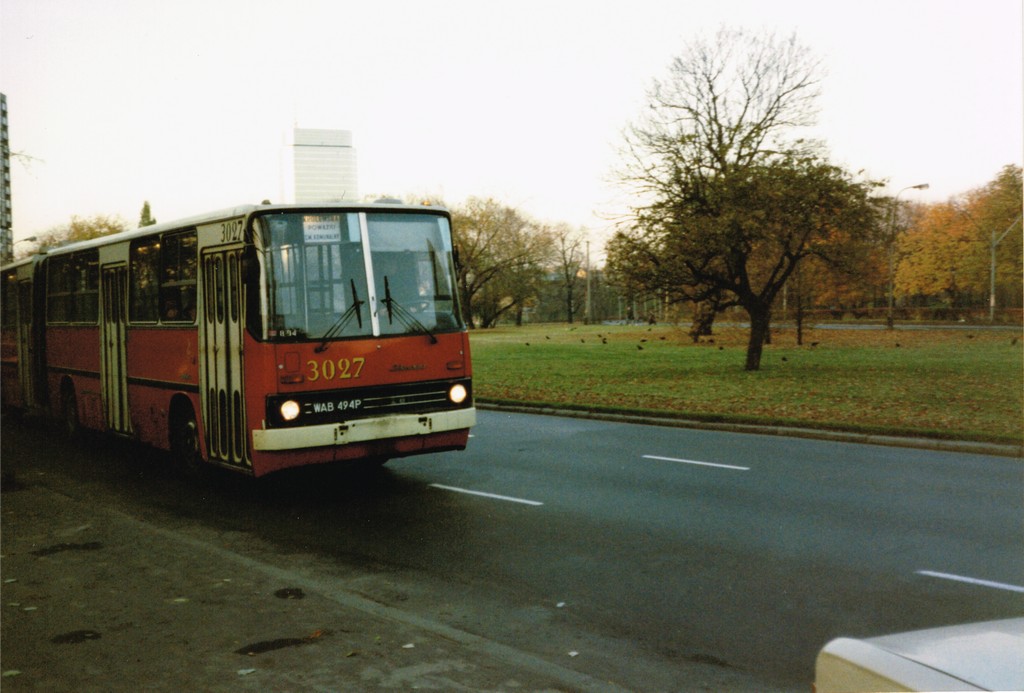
(760, 324)
(466, 301)
(703, 319)
(799, 308)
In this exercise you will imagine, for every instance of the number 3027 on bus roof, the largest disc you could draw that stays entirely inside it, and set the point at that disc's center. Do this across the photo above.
(231, 231)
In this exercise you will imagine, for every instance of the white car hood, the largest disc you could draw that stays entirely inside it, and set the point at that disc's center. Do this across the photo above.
(988, 655)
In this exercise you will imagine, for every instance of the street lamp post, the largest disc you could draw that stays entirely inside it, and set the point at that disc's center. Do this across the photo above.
(590, 309)
(892, 250)
(7, 251)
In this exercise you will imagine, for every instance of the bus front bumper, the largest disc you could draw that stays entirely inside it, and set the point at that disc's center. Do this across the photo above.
(362, 430)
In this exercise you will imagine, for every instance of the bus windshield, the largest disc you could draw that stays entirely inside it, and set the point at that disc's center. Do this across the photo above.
(359, 274)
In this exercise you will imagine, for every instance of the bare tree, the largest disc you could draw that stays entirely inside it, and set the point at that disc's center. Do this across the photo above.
(568, 247)
(500, 258)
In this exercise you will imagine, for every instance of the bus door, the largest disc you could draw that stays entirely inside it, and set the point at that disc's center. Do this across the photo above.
(114, 362)
(220, 373)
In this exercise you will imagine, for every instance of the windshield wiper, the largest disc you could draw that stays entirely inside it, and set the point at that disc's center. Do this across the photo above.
(395, 309)
(353, 310)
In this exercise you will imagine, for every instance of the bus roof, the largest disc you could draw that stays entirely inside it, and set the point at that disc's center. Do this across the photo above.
(228, 213)
(20, 262)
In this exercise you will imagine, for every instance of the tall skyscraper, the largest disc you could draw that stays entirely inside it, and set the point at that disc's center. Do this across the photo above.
(6, 223)
(325, 166)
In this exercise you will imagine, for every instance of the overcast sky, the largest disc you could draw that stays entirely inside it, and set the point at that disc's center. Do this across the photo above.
(188, 104)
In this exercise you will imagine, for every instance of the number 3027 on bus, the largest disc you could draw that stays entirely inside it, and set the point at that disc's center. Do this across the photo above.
(328, 369)
(231, 231)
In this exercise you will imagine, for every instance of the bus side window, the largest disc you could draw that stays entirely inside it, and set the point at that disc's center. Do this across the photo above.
(72, 288)
(87, 289)
(144, 288)
(178, 262)
(59, 289)
(54, 306)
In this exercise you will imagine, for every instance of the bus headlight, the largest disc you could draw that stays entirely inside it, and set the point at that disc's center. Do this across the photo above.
(458, 393)
(290, 410)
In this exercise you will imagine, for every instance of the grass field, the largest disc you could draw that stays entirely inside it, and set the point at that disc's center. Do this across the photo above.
(945, 383)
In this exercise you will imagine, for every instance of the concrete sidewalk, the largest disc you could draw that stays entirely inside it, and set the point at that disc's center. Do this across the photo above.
(96, 600)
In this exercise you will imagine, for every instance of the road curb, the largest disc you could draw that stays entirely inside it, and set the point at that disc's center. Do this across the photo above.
(963, 446)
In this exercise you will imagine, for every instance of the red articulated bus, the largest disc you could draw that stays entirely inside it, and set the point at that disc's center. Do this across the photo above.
(257, 338)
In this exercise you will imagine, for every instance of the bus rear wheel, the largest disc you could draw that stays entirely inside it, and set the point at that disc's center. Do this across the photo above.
(184, 441)
(70, 421)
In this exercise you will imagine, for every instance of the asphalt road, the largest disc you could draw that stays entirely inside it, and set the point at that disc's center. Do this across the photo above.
(655, 558)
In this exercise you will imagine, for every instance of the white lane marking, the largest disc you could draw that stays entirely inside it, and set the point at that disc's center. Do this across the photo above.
(972, 581)
(487, 495)
(703, 464)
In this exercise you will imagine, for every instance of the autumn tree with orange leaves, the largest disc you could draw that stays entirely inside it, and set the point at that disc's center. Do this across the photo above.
(946, 253)
(937, 258)
(81, 229)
